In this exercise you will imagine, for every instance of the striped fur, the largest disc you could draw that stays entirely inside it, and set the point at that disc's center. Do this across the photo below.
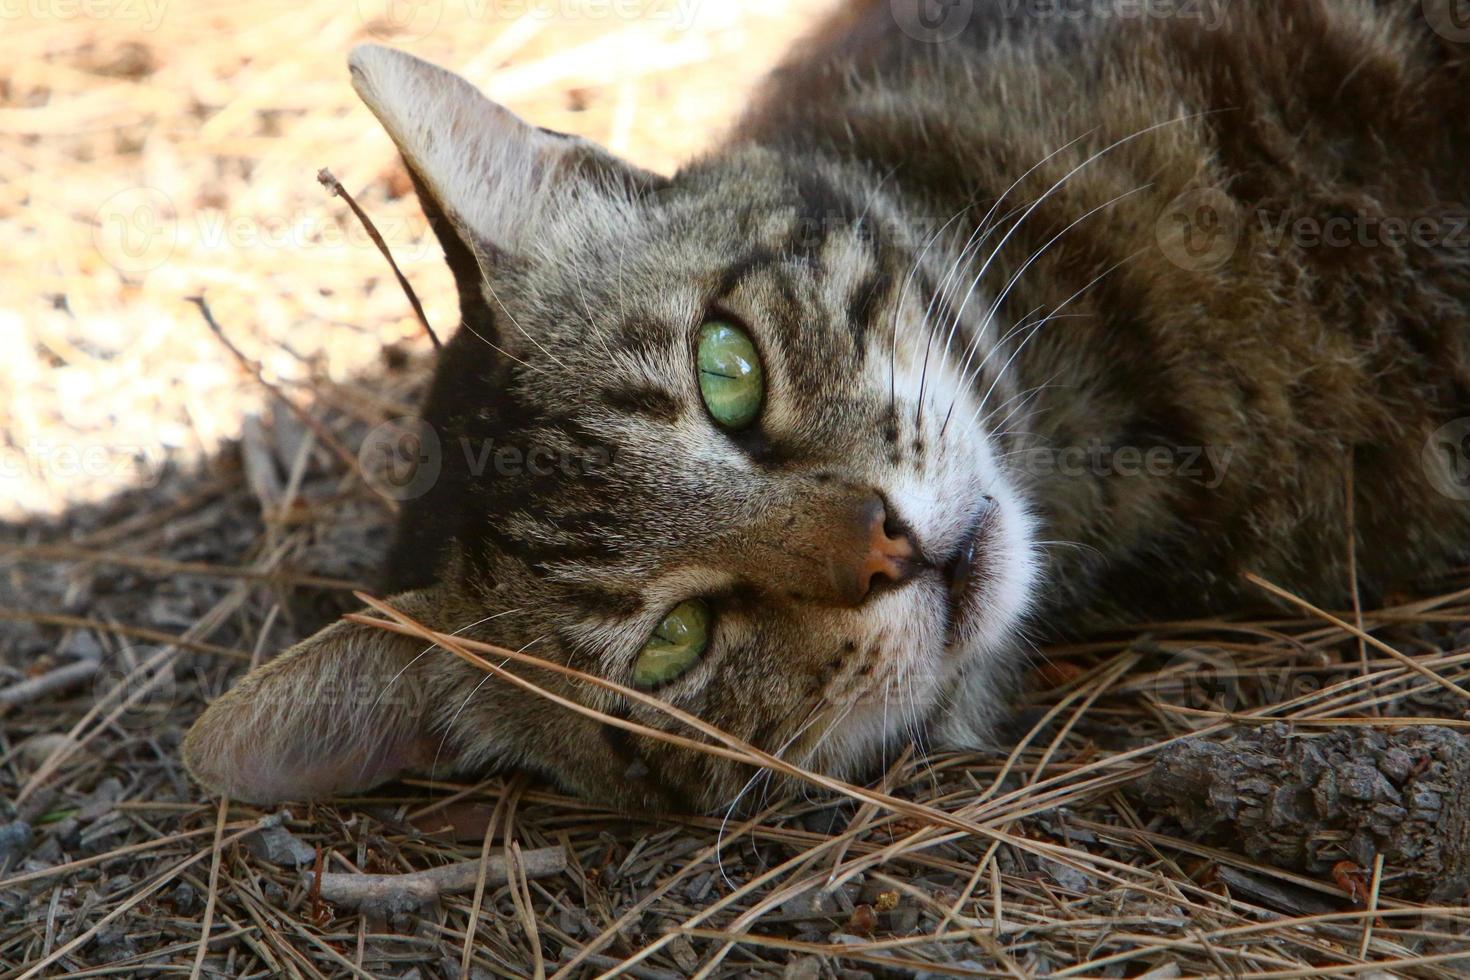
(963, 262)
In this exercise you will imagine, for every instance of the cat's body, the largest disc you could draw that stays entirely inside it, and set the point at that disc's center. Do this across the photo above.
(1045, 335)
(1264, 363)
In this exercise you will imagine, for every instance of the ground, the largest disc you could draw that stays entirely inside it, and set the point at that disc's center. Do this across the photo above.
(178, 507)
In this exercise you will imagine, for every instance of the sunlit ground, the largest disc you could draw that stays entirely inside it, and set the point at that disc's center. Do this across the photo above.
(154, 150)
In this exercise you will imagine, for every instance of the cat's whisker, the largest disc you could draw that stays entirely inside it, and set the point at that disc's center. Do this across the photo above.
(813, 753)
(965, 379)
(988, 224)
(903, 292)
(1075, 545)
(950, 283)
(1067, 177)
(1062, 181)
(431, 647)
(500, 350)
(523, 331)
(942, 293)
(984, 228)
(762, 775)
(995, 307)
(592, 321)
(443, 739)
(449, 726)
(1022, 399)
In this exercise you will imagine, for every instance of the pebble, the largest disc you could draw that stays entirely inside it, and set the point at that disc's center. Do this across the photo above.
(279, 846)
(15, 841)
(186, 899)
(802, 968)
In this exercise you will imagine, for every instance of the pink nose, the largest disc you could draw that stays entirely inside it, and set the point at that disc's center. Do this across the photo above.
(879, 554)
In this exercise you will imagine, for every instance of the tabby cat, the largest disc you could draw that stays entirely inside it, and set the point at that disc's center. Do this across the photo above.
(988, 320)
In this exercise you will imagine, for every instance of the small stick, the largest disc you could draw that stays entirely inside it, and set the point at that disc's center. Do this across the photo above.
(122, 629)
(159, 566)
(1373, 641)
(302, 415)
(334, 186)
(63, 677)
(219, 836)
(422, 887)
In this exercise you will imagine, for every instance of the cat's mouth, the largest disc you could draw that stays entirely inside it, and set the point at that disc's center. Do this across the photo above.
(966, 570)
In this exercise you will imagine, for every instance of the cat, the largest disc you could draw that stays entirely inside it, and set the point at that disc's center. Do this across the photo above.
(987, 321)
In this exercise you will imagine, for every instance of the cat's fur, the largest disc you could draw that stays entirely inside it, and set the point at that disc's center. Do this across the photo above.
(962, 261)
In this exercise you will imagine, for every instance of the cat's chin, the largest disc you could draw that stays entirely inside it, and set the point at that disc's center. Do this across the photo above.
(993, 584)
(991, 577)
(956, 677)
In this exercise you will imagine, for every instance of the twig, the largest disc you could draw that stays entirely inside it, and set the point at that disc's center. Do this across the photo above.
(63, 677)
(121, 629)
(1373, 641)
(219, 836)
(161, 879)
(328, 439)
(474, 918)
(411, 891)
(332, 184)
(1350, 495)
(163, 566)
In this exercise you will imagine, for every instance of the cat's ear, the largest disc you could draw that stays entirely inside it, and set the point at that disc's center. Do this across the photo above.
(483, 174)
(340, 712)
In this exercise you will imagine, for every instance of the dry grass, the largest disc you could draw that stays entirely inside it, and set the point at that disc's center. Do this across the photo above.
(209, 524)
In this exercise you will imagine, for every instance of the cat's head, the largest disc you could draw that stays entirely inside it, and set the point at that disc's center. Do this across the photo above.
(711, 436)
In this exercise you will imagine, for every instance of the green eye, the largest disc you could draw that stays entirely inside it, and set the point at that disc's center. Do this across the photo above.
(676, 645)
(730, 375)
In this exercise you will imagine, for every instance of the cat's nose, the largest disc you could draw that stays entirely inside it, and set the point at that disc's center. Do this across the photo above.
(884, 552)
